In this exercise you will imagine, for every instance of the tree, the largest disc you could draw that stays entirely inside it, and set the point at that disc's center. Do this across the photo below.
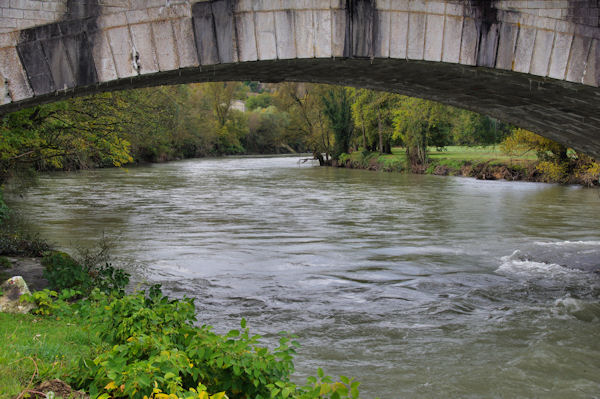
(420, 123)
(84, 132)
(337, 108)
(373, 114)
(307, 122)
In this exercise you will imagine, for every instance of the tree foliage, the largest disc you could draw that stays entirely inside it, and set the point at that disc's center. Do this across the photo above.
(337, 108)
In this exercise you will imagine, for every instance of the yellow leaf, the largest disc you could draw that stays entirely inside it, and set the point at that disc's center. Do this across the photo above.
(110, 385)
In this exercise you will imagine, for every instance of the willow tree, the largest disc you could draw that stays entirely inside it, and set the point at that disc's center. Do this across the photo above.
(421, 123)
(338, 109)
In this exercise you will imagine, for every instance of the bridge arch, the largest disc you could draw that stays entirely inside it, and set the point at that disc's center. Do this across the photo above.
(534, 64)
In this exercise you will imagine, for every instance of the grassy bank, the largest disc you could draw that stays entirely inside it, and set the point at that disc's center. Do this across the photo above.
(36, 348)
(487, 163)
(90, 334)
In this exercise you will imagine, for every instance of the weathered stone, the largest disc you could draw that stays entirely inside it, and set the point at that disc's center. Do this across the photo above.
(560, 55)
(305, 34)
(399, 35)
(580, 46)
(416, 36)
(322, 21)
(265, 35)
(469, 43)
(542, 50)
(141, 35)
(246, 40)
(124, 53)
(10, 301)
(524, 50)
(284, 29)
(452, 39)
(186, 46)
(363, 16)
(434, 38)
(166, 48)
(506, 46)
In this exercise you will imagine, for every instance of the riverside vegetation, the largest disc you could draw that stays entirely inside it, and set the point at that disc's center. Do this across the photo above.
(334, 123)
(88, 331)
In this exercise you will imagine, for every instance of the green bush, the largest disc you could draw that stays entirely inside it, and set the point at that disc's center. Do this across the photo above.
(151, 348)
(5, 263)
(62, 271)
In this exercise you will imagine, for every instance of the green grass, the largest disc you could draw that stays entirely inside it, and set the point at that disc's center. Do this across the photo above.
(465, 153)
(36, 348)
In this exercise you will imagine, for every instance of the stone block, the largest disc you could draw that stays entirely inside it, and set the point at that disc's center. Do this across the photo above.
(452, 39)
(506, 46)
(338, 37)
(363, 24)
(470, 42)
(323, 33)
(103, 59)
(434, 38)
(418, 6)
(265, 35)
(382, 34)
(400, 5)
(399, 35)
(112, 21)
(488, 45)
(137, 16)
(166, 48)
(246, 40)
(15, 78)
(60, 68)
(141, 35)
(524, 50)
(416, 36)
(456, 10)
(436, 7)
(578, 58)
(224, 26)
(4, 92)
(184, 38)
(284, 29)
(542, 49)
(38, 72)
(560, 56)
(8, 39)
(205, 34)
(122, 50)
(305, 34)
(591, 76)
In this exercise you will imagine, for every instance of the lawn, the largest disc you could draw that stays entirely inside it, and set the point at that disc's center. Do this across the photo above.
(464, 153)
(36, 348)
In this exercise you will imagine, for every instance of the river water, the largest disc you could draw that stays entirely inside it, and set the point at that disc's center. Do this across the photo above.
(419, 286)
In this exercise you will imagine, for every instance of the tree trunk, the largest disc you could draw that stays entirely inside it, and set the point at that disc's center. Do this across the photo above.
(379, 131)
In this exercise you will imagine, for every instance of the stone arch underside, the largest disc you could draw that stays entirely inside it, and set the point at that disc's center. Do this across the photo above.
(540, 73)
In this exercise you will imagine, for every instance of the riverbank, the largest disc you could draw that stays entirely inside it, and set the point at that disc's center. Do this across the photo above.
(89, 334)
(484, 163)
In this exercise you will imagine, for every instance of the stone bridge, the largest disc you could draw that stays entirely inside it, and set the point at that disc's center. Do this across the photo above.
(532, 63)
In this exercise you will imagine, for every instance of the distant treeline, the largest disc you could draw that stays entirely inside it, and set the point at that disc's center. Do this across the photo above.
(212, 119)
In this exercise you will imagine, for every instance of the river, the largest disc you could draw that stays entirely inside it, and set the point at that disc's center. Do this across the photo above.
(418, 286)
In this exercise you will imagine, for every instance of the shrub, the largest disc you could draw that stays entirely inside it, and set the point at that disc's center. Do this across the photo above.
(152, 349)
(62, 271)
